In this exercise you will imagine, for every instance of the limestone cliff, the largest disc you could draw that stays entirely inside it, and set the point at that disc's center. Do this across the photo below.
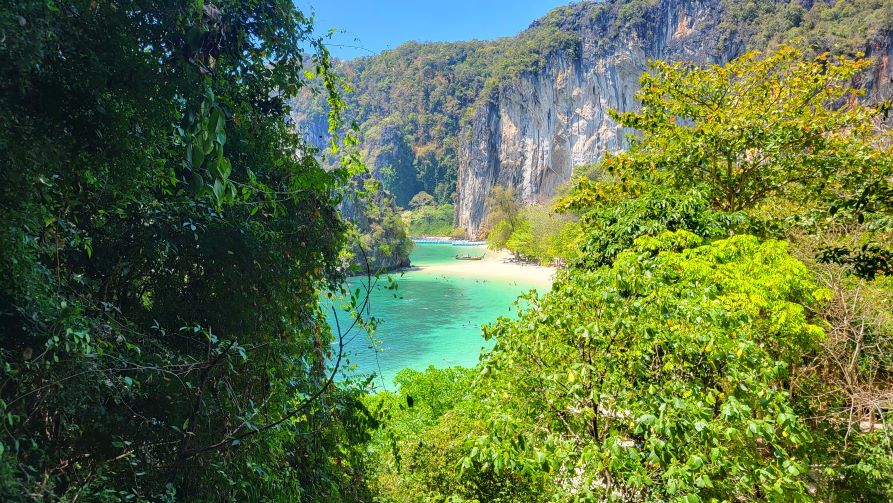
(532, 131)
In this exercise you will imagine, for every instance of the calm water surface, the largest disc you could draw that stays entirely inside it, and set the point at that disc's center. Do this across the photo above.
(432, 318)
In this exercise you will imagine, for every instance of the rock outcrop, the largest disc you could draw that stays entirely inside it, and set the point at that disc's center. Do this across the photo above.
(531, 132)
(382, 243)
(879, 81)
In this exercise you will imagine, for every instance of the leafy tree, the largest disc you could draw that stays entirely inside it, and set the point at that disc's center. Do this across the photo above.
(429, 420)
(564, 245)
(523, 241)
(499, 235)
(432, 220)
(661, 377)
(421, 199)
(612, 221)
(756, 128)
(165, 234)
(762, 133)
(542, 235)
(503, 206)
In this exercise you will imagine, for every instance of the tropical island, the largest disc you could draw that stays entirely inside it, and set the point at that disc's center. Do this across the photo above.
(641, 251)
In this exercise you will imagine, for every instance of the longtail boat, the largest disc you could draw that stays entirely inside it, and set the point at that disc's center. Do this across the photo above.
(469, 257)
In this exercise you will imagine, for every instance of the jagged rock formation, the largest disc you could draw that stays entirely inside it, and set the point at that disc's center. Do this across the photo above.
(879, 81)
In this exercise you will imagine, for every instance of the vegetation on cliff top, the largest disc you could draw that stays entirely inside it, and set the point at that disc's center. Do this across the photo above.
(426, 91)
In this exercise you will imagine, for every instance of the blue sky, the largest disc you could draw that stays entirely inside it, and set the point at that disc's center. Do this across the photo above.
(374, 26)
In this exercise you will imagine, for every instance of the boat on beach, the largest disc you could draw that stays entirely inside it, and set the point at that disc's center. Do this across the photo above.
(469, 257)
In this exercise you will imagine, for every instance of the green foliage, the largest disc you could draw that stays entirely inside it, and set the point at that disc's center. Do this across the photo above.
(610, 227)
(427, 218)
(164, 237)
(774, 130)
(431, 220)
(659, 378)
(756, 128)
(531, 49)
(499, 235)
(434, 391)
(421, 199)
(631, 13)
(417, 451)
(818, 26)
(388, 176)
(503, 206)
(534, 232)
(564, 243)
(523, 240)
(543, 235)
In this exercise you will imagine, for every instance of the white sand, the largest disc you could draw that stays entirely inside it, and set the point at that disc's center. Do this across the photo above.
(494, 265)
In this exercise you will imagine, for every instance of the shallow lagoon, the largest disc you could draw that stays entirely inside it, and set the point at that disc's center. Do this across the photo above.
(432, 318)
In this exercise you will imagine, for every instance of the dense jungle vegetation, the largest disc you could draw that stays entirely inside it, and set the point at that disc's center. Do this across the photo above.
(535, 232)
(427, 218)
(165, 236)
(723, 330)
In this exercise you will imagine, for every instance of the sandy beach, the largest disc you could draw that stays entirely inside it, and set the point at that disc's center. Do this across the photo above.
(494, 265)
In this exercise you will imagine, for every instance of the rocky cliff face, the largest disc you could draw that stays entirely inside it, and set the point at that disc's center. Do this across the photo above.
(879, 81)
(391, 159)
(531, 132)
(381, 231)
(382, 243)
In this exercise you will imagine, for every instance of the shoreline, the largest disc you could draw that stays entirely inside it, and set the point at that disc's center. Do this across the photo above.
(446, 240)
(495, 264)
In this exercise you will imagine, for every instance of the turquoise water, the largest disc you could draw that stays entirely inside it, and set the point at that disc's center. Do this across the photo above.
(432, 318)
